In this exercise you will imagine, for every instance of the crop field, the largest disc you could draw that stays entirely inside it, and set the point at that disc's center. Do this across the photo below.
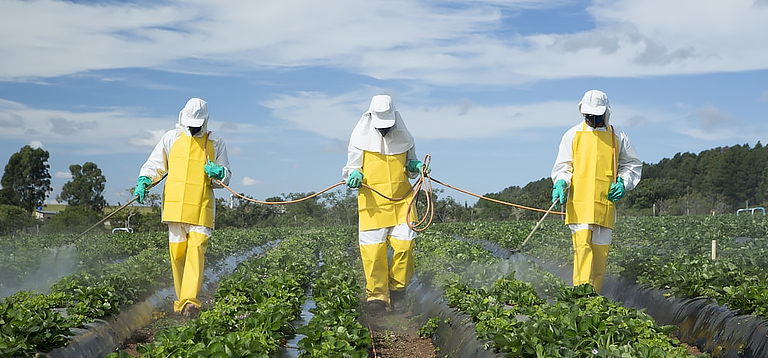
(669, 253)
(518, 305)
(673, 257)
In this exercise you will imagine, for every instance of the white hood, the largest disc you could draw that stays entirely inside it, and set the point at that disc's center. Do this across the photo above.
(595, 102)
(194, 114)
(366, 137)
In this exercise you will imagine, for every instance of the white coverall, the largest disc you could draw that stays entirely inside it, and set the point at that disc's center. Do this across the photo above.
(382, 161)
(188, 201)
(589, 213)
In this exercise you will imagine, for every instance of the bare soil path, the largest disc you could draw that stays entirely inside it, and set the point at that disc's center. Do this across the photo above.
(395, 335)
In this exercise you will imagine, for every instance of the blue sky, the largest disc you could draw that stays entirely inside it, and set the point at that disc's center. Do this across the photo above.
(486, 87)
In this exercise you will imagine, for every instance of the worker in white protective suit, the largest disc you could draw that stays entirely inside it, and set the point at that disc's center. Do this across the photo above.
(595, 165)
(382, 155)
(192, 157)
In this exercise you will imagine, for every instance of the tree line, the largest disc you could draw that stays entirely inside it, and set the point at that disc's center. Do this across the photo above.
(26, 184)
(714, 181)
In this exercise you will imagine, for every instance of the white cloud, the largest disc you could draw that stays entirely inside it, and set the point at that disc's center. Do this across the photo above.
(335, 116)
(248, 181)
(62, 175)
(710, 123)
(234, 150)
(460, 44)
(97, 132)
(146, 138)
(433, 50)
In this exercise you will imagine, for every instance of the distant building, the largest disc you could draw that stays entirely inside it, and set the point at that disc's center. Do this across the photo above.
(44, 215)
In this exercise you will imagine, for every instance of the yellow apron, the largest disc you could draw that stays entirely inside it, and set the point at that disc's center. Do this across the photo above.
(188, 196)
(386, 174)
(594, 154)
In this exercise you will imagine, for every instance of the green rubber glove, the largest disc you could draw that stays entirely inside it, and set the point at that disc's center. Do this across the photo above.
(414, 166)
(558, 192)
(617, 190)
(141, 188)
(355, 179)
(214, 170)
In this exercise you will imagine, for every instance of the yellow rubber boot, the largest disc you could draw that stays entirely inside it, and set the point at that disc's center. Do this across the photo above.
(401, 270)
(374, 257)
(194, 266)
(582, 257)
(599, 261)
(178, 252)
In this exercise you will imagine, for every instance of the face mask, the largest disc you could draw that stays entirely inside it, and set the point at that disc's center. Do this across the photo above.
(384, 131)
(194, 130)
(595, 120)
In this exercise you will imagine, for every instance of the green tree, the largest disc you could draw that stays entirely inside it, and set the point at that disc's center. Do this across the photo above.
(244, 214)
(13, 218)
(307, 212)
(341, 206)
(140, 219)
(536, 194)
(72, 219)
(86, 187)
(152, 199)
(26, 181)
(445, 209)
(448, 209)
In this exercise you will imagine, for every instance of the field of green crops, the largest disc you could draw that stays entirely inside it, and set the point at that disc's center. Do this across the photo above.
(517, 308)
(108, 274)
(669, 253)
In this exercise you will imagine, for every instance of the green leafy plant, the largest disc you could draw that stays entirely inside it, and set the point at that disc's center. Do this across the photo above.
(429, 327)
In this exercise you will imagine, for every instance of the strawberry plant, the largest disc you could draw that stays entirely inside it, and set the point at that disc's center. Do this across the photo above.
(35, 320)
(334, 330)
(517, 322)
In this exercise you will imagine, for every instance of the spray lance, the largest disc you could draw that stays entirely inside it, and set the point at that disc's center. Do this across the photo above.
(534, 229)
(117, 210)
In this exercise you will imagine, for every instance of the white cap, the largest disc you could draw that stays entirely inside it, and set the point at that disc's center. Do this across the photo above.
(194, 114)
(594, 102)
(382, 111)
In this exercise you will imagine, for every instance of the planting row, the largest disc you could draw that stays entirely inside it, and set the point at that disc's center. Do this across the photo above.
(35, 321)
(541, 316)
(254, 308)
(35, 262)
(669, 253)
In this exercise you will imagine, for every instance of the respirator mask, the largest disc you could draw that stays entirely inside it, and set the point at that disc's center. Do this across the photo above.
(595, 120)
